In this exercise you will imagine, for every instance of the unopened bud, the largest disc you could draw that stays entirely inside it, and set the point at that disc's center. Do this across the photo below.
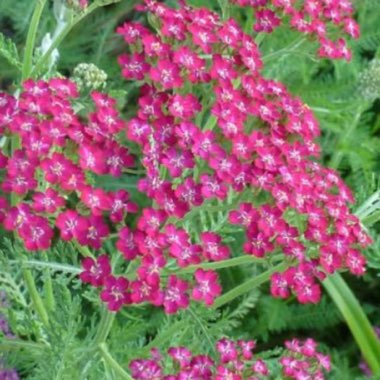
(89, 76)
(369, 81)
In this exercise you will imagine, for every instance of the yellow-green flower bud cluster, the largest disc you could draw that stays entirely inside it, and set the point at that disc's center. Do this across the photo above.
(369, 81)
(89, 76)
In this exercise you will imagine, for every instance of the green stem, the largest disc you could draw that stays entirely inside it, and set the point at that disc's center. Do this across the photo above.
(49, 293)
(356, 320)
(223, 5)
(35, 297)
(15, 144)
(58, 267)
(236, 261)
(15, 344)
(119, 371)
(248, 285)
(105, 326)
(31, 39)
(66, 30)
(338, 155)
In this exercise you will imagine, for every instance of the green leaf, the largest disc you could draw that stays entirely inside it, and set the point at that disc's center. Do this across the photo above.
(356, 320)
(9, 51)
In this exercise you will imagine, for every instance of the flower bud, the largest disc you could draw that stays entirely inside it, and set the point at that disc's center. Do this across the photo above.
(369, 81)
(89, 76)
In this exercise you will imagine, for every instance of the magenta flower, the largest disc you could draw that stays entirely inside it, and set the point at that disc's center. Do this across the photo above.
(17, 217)
(184, 107)
(71, 224)
(132, 32)
(151, 266)
(134, 66)
(120, 206)
(126, 244)
(260, 368)
(167, 74)
(186, 254)
(173, 235)
(207, 287)
(115, 292)
(356, 262)
(151, 220)
(177, 162)
(146, 289)
(154, 47)
(49, 201)
(227, 350)
(145, 370)
(175, 296)
(212, 187)
(95, 271)
(37, 233)
(190, 192)
(94, 233)
(247, 346)
(181, 355)
(97, 200)
(212, 247)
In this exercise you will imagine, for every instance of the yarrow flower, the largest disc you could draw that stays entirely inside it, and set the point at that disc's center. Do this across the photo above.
(299, 360)
(39, 104)
(257, 138)
(248, 138)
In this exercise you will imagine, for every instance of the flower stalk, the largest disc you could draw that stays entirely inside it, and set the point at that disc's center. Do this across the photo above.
(68, 27)
(15, 144)
(105, 326)
(248, 285)
(15, 344)
(112, 363)
(236, 261)
(31, 39)
(35, 297)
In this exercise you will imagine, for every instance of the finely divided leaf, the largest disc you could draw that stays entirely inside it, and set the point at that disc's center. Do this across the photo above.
(8, 50)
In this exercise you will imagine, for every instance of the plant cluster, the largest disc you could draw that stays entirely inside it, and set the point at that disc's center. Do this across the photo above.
(156, 197)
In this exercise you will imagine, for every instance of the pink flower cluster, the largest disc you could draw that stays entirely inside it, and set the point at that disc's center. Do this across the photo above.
(53, 152)
(245, 135)
(300, 361)
(49, 172)
(316, 18)
(118, 291)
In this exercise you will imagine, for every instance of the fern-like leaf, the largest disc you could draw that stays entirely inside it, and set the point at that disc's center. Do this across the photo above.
(9, 51)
